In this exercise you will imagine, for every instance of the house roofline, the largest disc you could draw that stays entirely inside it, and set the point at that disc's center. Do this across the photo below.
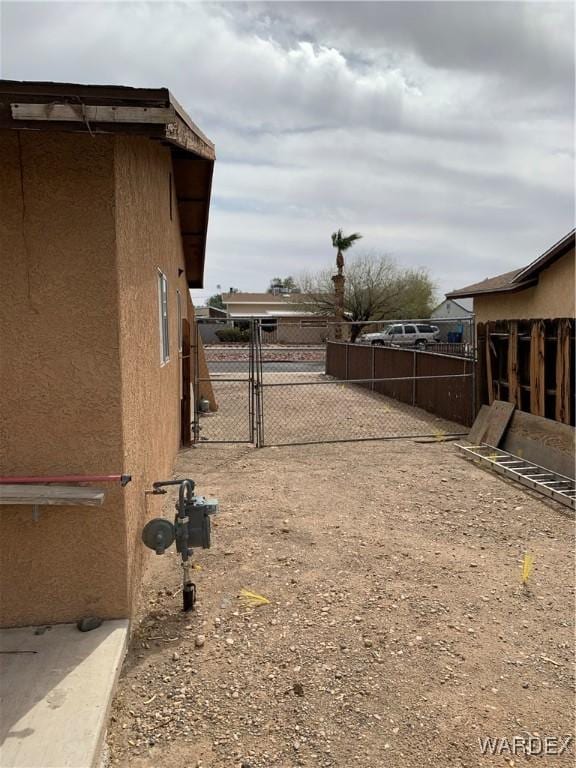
(518, 280)
(510, 288)
(447, 297)
(547, 258)
(122, 110)
(154, 112)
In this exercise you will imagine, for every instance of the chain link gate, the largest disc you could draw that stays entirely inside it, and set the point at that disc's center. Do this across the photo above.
(227, 371)
(289, 383)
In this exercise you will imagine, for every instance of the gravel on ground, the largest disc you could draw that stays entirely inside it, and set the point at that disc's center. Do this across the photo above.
(398, 632)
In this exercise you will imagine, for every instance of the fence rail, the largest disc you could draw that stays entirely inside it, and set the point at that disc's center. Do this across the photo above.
(438, 383)
(438, 347)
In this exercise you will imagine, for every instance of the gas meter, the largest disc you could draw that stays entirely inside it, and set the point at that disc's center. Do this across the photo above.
(191, 528)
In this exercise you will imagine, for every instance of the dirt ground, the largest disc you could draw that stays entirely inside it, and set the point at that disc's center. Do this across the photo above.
(397, 634)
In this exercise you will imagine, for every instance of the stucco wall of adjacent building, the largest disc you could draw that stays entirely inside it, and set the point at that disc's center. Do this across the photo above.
(60, 406)
(552, 297)
(148, 240)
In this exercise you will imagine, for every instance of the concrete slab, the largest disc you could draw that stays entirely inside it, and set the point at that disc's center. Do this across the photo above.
(55, 691)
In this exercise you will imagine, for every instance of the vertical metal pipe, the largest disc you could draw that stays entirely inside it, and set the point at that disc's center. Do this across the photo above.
(414, 377)
(251, 381)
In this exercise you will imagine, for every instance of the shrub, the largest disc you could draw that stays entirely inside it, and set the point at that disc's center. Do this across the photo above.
(233, 334)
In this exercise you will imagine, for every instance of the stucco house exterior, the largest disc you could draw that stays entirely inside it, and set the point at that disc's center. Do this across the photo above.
(104, 203)
(525, 333)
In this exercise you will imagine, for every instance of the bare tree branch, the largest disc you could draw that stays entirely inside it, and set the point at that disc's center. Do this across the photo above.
(376, 289)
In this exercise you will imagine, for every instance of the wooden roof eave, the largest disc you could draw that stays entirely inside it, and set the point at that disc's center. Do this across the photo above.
(96, 110)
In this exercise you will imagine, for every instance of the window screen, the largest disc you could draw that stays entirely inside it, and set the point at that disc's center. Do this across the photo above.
(179, 319)
(163, 311)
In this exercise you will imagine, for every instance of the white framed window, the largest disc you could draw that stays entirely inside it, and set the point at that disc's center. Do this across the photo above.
(179, 318)
(163, 315)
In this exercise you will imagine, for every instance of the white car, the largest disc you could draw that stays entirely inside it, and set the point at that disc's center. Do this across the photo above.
(419, 335)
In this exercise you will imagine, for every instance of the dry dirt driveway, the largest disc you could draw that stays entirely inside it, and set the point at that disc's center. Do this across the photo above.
(398, 632)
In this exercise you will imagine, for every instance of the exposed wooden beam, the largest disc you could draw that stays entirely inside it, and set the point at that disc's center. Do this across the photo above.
(82, 113)
(563, 354)
(514, 392)
(489, 349)
(537, 370)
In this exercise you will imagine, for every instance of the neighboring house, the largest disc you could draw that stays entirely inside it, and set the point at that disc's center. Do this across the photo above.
(284, 317)
(525, 330)
(457, 320)
(207, 327)
(104, 201)
(203, 312)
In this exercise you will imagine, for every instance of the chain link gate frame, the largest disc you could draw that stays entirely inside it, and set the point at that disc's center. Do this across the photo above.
(269, 394)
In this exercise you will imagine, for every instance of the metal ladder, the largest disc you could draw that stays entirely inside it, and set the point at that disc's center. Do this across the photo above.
(551, 484)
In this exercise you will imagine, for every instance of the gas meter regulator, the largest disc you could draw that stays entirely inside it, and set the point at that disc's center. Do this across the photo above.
(191, 528)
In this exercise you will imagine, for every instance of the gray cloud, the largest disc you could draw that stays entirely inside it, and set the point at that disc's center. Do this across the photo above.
(442, 131)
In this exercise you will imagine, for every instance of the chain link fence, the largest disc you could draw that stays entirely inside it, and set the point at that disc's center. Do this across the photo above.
(289, 382)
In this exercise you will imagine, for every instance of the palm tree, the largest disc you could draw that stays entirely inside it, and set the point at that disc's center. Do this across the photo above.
(342, 243)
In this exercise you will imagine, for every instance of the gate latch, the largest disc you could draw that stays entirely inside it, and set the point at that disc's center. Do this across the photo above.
(191, 528)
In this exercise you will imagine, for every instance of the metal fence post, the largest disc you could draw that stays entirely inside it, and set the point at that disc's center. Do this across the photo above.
(257, 381)
(414, 378)
(196, 384)
(373, 367)
(346, 364)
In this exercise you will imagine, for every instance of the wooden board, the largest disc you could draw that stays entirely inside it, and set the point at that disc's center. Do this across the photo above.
(491, 423)
(92, 114)
(564, 348)
(489, 350)
(476, 434)
(542, 441)
(513, 375)
(500, 415)
(51, 494)
(537, 368)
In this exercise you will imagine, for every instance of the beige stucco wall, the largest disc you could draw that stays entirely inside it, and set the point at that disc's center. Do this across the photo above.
(59, 374)
(148, 240)
(83, 387)
(553, 296)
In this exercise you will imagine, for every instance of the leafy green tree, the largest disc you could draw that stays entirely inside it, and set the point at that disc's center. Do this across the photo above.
(216, 301)
(282, 284)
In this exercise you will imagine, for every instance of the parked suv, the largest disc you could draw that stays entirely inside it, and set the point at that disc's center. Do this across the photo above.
(418, 335)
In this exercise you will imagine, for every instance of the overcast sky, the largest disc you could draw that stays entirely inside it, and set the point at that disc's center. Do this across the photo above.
(443, 132)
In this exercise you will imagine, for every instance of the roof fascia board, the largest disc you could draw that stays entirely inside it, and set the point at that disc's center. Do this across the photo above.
(504, 289)
(86, 113)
